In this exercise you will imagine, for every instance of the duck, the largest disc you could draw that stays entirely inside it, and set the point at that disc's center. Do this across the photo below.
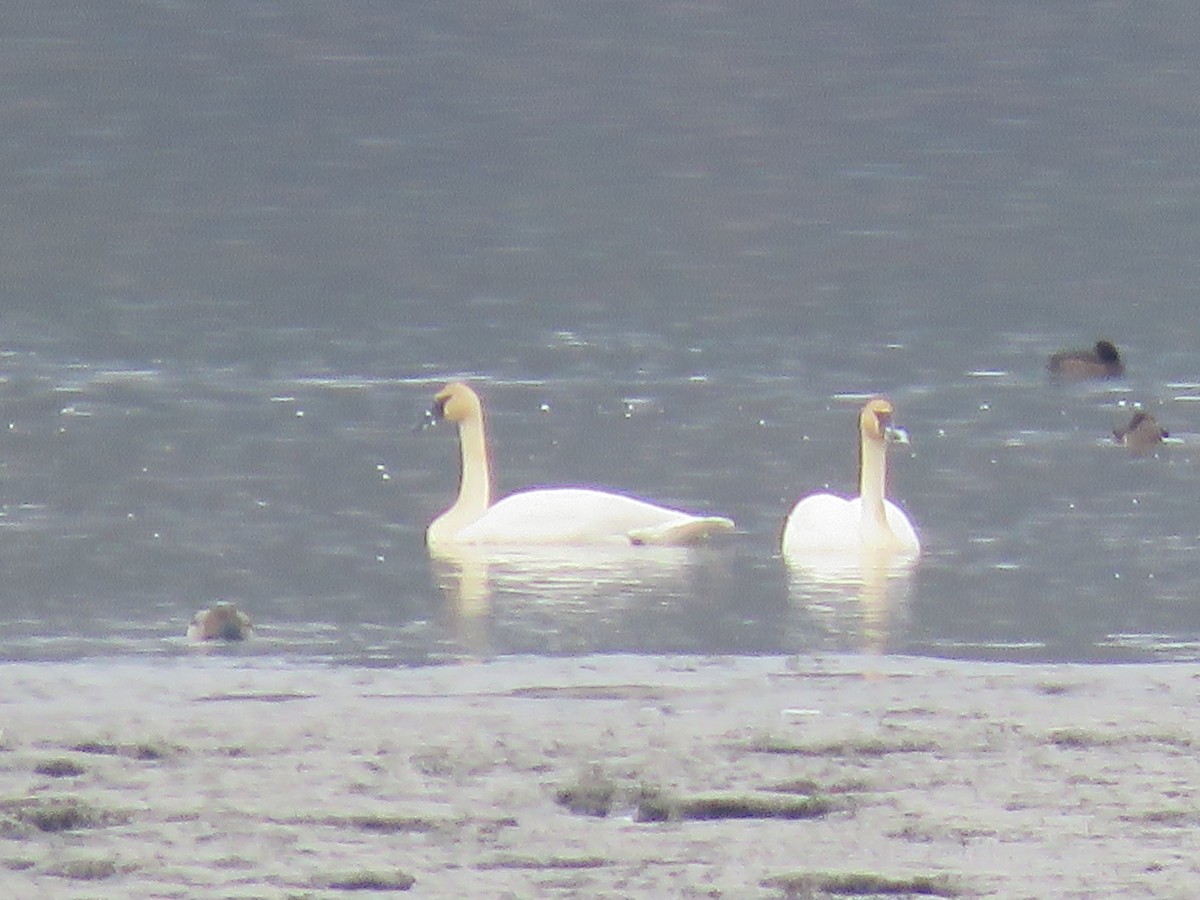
(825, 524)
(1102, 361)
(1141, 434)
(222, 621)
(544, 515)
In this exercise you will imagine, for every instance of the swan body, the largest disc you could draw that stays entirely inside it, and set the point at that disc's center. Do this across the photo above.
(580, 515)
(543, 516)
(827, 525)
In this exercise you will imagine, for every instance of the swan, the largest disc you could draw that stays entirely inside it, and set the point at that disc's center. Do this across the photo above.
(1102, 361)
(822, 525)
(544, 516)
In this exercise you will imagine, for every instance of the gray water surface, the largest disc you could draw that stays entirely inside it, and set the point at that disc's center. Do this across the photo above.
(673, 244)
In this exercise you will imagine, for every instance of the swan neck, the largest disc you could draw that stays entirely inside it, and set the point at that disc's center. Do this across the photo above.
(475, 487)
(872, 482)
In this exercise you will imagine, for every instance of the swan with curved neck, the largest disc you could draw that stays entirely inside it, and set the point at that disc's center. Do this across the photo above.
(543, 516)
(869, 523)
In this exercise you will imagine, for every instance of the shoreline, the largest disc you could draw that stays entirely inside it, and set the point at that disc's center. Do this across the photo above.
(228, 777)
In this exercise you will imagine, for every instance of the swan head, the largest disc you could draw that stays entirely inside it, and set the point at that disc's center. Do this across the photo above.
(876, 423)
(456, 402)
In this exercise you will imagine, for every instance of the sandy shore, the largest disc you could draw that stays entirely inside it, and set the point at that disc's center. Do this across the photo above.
(599, 777)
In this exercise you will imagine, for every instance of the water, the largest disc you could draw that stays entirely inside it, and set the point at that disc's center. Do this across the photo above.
(673, 243)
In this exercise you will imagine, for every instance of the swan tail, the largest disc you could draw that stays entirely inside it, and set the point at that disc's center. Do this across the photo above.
(693, 531)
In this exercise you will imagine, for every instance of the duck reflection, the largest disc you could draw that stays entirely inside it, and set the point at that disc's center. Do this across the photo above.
(859, 600)
(566, 599)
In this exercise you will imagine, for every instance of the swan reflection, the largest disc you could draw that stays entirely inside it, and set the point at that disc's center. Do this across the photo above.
(564, 598)
(859, 600)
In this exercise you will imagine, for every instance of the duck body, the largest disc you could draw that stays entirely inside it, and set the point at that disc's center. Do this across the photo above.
(545, 516)
(221, 622)
(1102, 361)
(1142, 433)
(868, 525)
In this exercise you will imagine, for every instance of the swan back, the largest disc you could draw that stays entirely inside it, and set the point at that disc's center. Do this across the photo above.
(581, 516)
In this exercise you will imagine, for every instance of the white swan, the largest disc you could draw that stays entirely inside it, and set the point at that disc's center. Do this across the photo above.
(826, 525)
(544, 515)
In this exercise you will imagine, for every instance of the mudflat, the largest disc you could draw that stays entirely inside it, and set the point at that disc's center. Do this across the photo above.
(621, 776)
